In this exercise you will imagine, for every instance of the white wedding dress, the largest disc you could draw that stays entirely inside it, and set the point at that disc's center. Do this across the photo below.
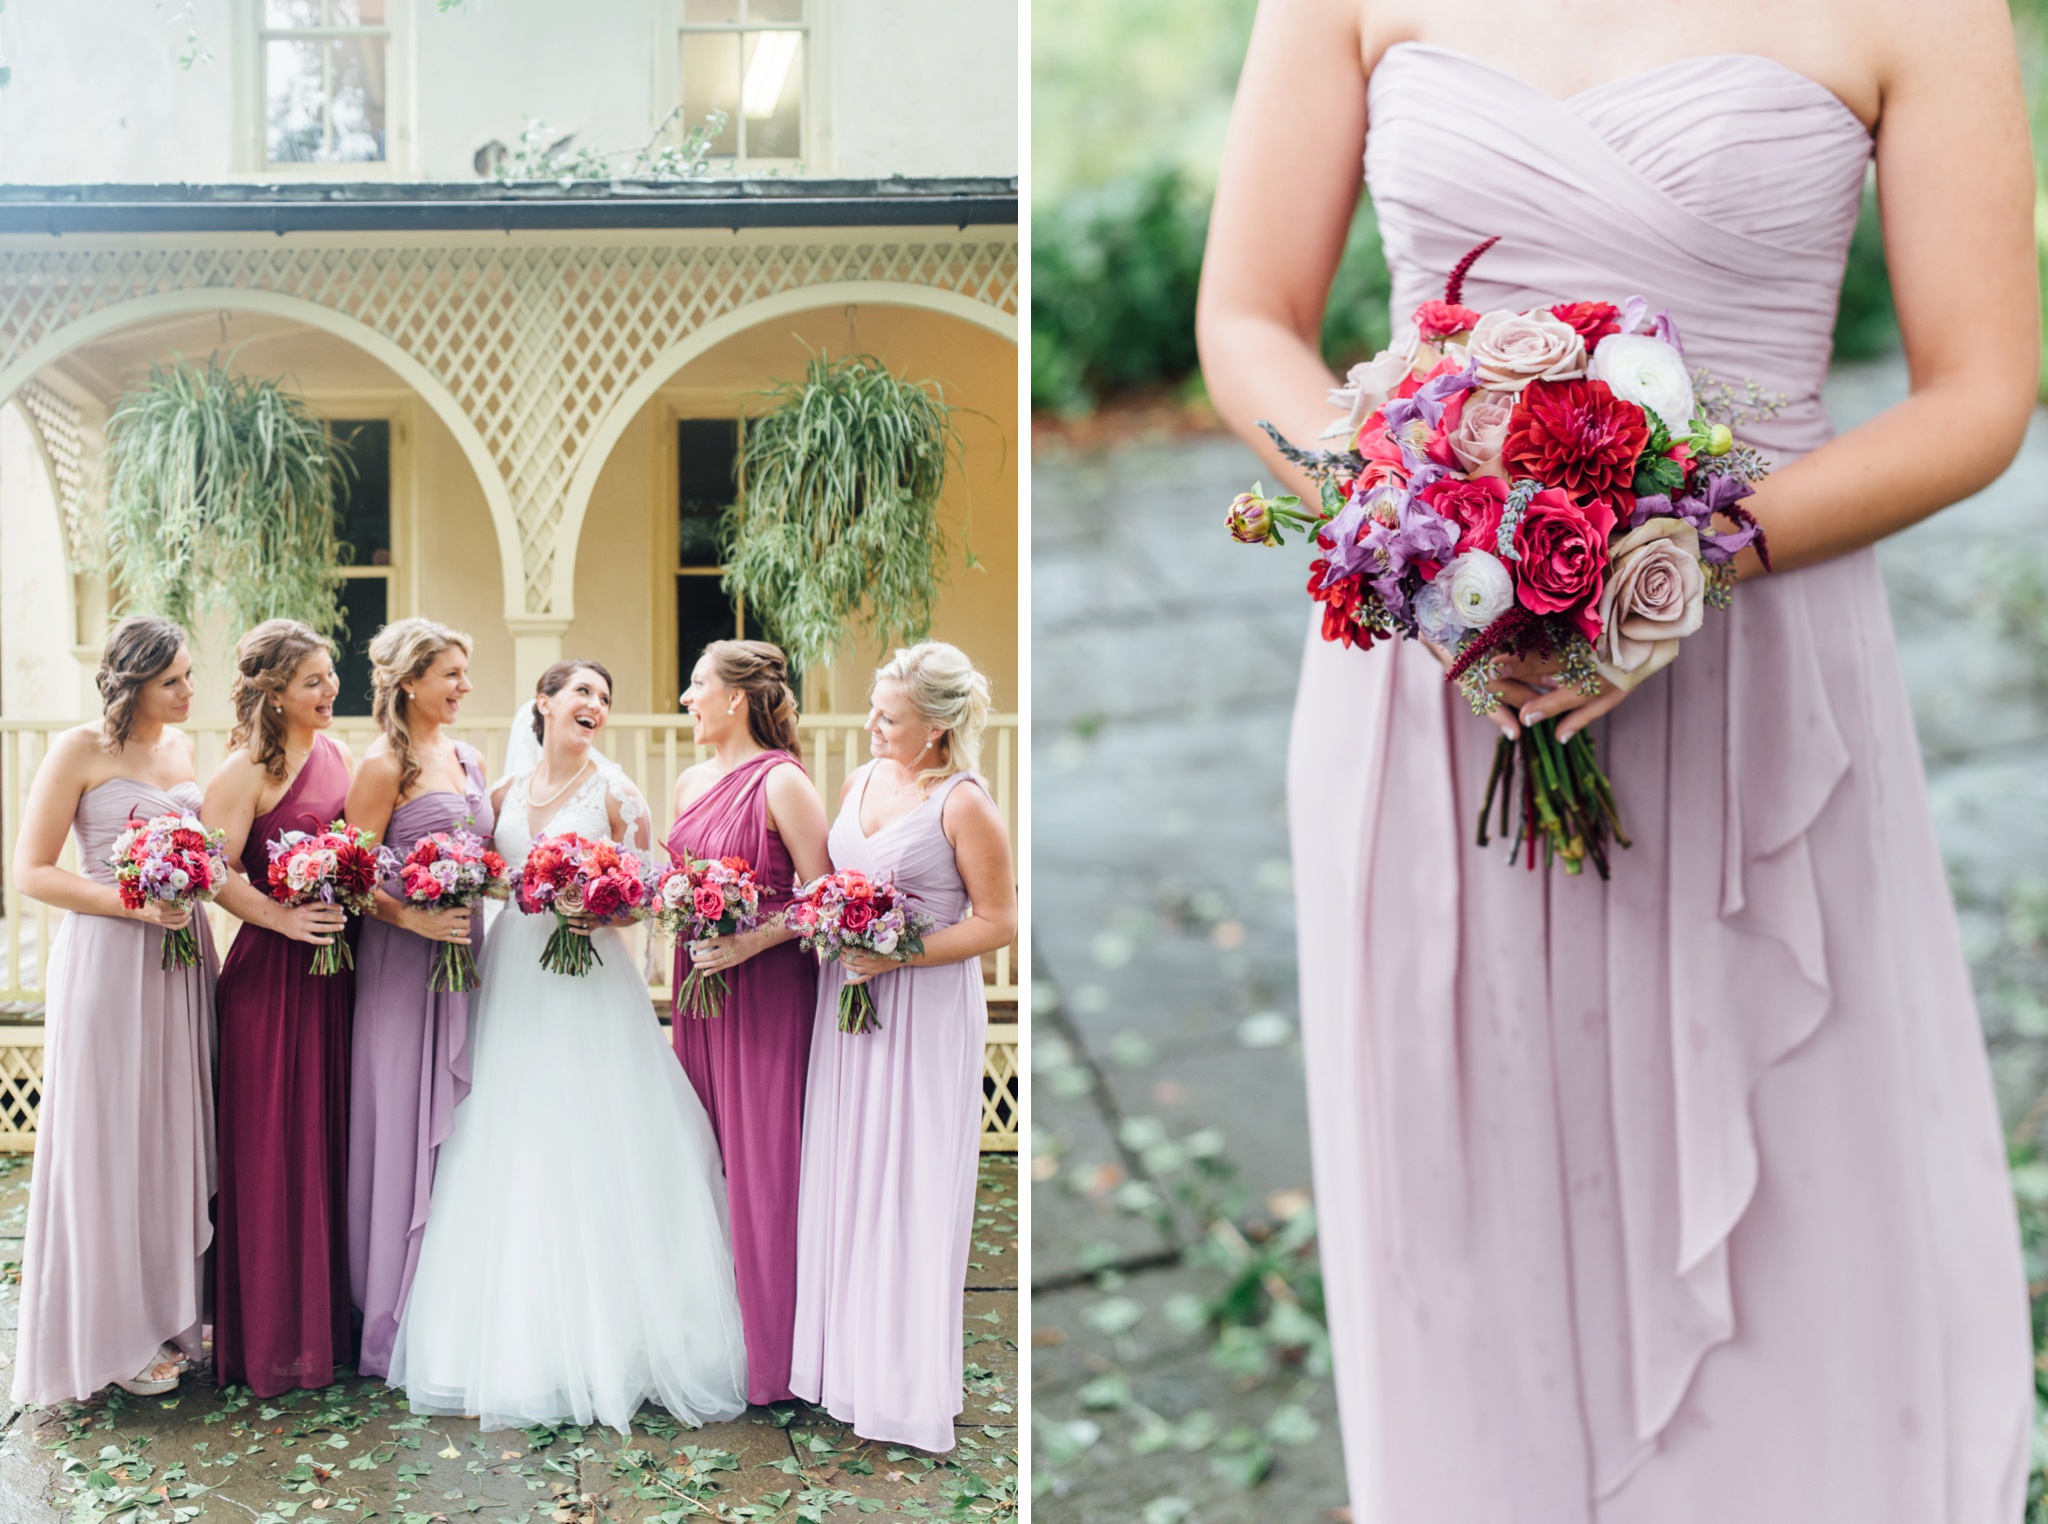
(577, 1259)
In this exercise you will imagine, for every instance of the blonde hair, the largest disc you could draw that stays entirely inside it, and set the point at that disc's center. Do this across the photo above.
(760, 671)
(138, 649)
(945, 688)
(401, 654)
(265, 660)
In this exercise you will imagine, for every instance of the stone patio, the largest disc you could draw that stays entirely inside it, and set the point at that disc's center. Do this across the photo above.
(353, 1451)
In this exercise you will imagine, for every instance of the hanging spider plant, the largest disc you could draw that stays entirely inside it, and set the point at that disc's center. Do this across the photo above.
(220, 495)
(839, 517)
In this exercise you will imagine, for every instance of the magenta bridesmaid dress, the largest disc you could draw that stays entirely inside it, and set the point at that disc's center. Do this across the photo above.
(281, 1305)
(411, 1067)
(118, 1227)
(1682, 1198)
(892, 1148)
(748, 1068)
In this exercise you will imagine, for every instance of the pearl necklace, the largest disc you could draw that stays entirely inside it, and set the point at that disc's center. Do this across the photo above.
(541, 804)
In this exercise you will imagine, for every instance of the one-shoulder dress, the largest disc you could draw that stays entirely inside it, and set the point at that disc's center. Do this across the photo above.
(281, 1304)
(748, 1068)
(892, 1148)
(1681, 1198)
(118, 1207)
(411, 1067)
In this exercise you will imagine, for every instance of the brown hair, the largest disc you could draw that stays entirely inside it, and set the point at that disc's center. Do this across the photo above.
(265, 661)
(945, 688)
(400, 654)
(138, 649)
(761, 672)
(554, 680)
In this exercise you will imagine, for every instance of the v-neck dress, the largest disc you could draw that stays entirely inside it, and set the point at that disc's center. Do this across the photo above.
(892, 1148)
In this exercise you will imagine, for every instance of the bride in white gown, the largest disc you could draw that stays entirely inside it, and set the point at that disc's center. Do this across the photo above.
(577, 1260)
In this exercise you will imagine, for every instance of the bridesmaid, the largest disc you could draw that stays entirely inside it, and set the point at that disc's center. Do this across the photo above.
(411, 1044)
(753, 800)
(892, 1130)
(117, 1213)
(281, 1308)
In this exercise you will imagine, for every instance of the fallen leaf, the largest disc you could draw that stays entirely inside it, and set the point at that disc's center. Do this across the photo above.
(511, 1455)
(451, 1453)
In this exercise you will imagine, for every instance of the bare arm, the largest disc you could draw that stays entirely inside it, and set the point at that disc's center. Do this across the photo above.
(61, 781)
(797, 815)
(372, 801)
(232, 797)
(981, 851)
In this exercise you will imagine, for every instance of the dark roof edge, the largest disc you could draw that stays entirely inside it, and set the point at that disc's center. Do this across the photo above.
(489, 206)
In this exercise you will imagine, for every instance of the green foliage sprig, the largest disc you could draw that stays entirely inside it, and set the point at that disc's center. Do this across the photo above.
(220, 495)
(542, 154)
(840, 514)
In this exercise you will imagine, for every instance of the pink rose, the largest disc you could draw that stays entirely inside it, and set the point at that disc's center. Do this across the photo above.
(603, 899)
(1655, 596)
(421, 885)
(1474, 506)
(1512, 349)
(710, 903)
(1481, 432)
(857, 916)
(1564, 557)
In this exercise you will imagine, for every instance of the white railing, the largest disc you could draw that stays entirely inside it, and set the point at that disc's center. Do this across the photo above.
(652, 748)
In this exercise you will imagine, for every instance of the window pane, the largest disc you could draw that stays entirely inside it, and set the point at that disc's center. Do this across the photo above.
(293, 13)
(292, 95)
(702, 11)
(773, 95)
(357, 105)
(703, 614)
(355, 12)
(775, 10)
(362, 500)
(365, 601)
(706, 449)
(711, 82)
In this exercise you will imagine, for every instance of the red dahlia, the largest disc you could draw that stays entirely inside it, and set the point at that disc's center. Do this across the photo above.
(1592, 321)
(1577, 435)
(1340, 601)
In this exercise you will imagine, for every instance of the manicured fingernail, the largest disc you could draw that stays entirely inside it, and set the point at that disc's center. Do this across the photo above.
(1531, 715)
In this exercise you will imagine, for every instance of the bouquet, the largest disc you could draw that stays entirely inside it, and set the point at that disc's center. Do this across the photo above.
(848, 911)
(705, 899)
(337, 866)
(1541, 483)
(452, 869)
(173, 859)
(572, 875)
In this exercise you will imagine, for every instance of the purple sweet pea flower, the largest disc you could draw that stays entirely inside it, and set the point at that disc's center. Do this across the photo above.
(1427, 408)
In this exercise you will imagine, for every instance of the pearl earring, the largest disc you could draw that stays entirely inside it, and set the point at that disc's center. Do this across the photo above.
(733, 707)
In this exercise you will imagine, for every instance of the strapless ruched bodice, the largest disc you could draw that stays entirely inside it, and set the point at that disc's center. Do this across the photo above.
(107, 809)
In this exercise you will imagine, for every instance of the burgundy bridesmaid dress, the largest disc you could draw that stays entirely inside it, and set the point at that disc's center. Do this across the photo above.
(748, 1068)
(411, 1067)
(114, 1263)
(281, 1308)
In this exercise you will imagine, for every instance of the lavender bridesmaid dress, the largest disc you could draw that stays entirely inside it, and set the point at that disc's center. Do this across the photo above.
(113, 1266)
(411, 1068)
(892, 1145)
(1682, 1197)
(748, 1068)
(281, 1299)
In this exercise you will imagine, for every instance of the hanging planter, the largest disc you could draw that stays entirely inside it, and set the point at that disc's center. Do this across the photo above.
(220, 495)
(839, 518)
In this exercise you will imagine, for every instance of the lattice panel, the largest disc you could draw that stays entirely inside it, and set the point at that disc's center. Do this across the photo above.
(21, 1087)
(1001, 1100)
(62, 427)
(535, 341)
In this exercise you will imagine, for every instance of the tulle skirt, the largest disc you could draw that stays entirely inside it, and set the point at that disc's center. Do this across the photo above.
(577, 1260)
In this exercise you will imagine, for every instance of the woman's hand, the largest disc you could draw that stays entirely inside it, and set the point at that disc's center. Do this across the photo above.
(1529, 690)
(863, 966)
(446, 925)
(171, 915)
(718, 955)
(315, 924)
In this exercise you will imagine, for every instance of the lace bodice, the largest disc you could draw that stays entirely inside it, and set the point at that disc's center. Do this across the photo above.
(584, 813)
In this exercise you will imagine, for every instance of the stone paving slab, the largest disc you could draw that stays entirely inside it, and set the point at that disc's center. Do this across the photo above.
(353, 1451)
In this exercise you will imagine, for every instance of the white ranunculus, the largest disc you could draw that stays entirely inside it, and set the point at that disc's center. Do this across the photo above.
(1481, 588)
(1649, 373)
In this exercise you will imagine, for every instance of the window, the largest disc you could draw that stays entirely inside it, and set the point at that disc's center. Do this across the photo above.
(325, 70)
(707, 452)
(362, 521)
(749, 59)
